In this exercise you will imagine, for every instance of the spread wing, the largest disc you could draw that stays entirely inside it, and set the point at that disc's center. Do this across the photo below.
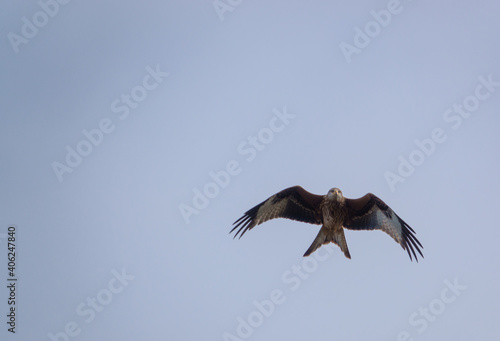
(371, 213)
(292, 203)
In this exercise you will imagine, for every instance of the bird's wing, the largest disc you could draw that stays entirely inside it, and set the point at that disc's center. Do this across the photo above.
(292, 203)
(371, 213)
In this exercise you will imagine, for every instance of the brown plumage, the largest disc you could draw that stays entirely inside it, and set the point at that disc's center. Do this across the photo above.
(334, 212)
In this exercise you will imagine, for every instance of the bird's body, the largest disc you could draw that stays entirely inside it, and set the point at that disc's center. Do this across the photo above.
(334, 212)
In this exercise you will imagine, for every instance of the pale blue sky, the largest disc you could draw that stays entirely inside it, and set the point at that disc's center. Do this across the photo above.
(266, 94)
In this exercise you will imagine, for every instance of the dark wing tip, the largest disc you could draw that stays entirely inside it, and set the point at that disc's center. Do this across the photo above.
(242, 225)
(245, 222)
(410, 241)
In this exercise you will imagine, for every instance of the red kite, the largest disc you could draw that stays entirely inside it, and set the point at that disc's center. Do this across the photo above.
(334, 212)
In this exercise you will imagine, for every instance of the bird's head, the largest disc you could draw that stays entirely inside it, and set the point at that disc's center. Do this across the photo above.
(335, 194)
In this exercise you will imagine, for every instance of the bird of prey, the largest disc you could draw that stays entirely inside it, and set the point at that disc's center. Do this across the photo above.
(334, 212)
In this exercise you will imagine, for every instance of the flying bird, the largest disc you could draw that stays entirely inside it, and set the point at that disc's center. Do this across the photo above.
(334, 212)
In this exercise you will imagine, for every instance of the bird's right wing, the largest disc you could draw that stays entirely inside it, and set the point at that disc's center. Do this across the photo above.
(292, 203)
(371, 213)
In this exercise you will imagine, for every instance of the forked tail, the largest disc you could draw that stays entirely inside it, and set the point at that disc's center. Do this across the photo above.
(326, 236)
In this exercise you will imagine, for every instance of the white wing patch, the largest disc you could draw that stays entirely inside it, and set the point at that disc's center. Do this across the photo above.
(269, 210)
(391, 226)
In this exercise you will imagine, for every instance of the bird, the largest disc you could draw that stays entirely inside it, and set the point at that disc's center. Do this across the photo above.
(335, 213)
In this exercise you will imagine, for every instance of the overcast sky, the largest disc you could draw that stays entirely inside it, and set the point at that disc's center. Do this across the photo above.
(133, 134)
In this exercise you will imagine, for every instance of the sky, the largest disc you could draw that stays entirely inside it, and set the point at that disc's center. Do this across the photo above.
(133, 134)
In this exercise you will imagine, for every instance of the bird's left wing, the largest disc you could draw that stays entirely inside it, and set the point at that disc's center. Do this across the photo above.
(292, 203)
(371, 213)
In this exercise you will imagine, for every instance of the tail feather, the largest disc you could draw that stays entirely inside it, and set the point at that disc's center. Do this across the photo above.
(326, 236)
